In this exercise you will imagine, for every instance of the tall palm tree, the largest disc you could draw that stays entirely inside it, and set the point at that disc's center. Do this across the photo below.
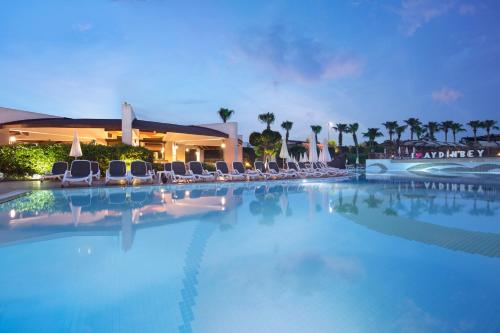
(353, 128)
(390, 126)
(372, 134)
(488, 126)
(446, 126)
(413, 123)
(419, 130)
(431, 128)
(399, 131)
(316, 129)
(267, 118)
(474, 124)
(287, 126)
(456, 128)
(341, 128)
(225, 114)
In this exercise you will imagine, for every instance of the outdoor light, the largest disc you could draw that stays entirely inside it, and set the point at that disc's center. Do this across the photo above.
(12, 213)
(223, 201)
(223, 145)
(187, 149)
(12, 139)
(186, 193)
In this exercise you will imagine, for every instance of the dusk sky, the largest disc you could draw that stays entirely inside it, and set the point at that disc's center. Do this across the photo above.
(310, 62)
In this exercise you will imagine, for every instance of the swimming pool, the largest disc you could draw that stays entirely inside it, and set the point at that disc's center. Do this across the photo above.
(392, 255)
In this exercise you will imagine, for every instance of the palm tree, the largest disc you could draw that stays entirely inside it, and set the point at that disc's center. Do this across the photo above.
(341, 128)
(431, 128)
(287, 126)
(399, 131)
(390, 126)
(267, 118)
(372, 134)
(446, 126)
(419, 130)
(488, 126)
(474, 124)
(413, 123)
(316, 129)
(353, 128)
(225, 114)
(456, 128)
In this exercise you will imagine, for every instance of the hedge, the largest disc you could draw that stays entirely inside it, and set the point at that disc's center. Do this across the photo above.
(26, 160)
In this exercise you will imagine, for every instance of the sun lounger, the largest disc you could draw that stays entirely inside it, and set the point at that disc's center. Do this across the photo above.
(139, 171)
(57, 172)
(117, 171)
(239, 168)
(294, 168)
(275, 170)
(223, 172)
(180, 173)
(199, 172)
(303, 167)
(259, 167)
(80, 171)
(96, 172)
(166, 172)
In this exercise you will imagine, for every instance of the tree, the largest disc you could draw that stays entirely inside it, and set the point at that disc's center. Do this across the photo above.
(225, 114)
(287, 126)
(390, 126)
(267, 118)
(446, 126)
(399, 131)
(341, 128)
(431, 128)
(372, 134)
(474, 124)
(353, 128)
(413, 123)
(316, 130)
(419, 130)
(456, 128)
(488, 126)
(266, 144)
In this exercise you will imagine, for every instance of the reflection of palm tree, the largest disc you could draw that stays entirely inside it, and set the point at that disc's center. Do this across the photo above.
(372, 201)
(267, 205)
(390, 212)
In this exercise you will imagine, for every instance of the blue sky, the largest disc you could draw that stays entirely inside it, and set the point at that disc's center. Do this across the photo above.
(307, 61)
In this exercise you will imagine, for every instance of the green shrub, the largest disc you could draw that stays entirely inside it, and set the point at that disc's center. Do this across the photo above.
(25, 160)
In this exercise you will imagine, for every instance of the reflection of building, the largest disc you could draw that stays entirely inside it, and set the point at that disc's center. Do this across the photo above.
(168, 141)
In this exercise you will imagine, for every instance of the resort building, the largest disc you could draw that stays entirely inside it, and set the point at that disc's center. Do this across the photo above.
(169, 142)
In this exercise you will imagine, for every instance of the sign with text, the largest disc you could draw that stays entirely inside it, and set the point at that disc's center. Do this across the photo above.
(450, 154)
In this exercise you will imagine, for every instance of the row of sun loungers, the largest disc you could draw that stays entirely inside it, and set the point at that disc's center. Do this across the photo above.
(84, 171)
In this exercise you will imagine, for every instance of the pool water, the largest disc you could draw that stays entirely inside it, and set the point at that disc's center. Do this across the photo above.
(356, 255)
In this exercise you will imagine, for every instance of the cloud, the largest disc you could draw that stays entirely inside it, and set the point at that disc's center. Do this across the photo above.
(446, 95)
(83, 27)
(296, 57)
(415, 13)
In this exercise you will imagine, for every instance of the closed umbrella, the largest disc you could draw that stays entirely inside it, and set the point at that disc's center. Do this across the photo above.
(313, 149)
(76, 149)
(284, 152)
(406, 150)
(326, 152)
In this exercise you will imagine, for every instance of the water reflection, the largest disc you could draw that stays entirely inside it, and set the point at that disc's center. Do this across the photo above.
(405, 208)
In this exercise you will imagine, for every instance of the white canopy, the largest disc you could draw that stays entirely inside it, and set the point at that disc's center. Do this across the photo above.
(313, 149)
(76, 149)
(326, 153)
(284, 150)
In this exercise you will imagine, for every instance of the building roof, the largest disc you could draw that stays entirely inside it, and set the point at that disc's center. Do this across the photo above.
(114, 125)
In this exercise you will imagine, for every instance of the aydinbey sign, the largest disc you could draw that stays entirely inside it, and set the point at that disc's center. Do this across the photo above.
(450, 154)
